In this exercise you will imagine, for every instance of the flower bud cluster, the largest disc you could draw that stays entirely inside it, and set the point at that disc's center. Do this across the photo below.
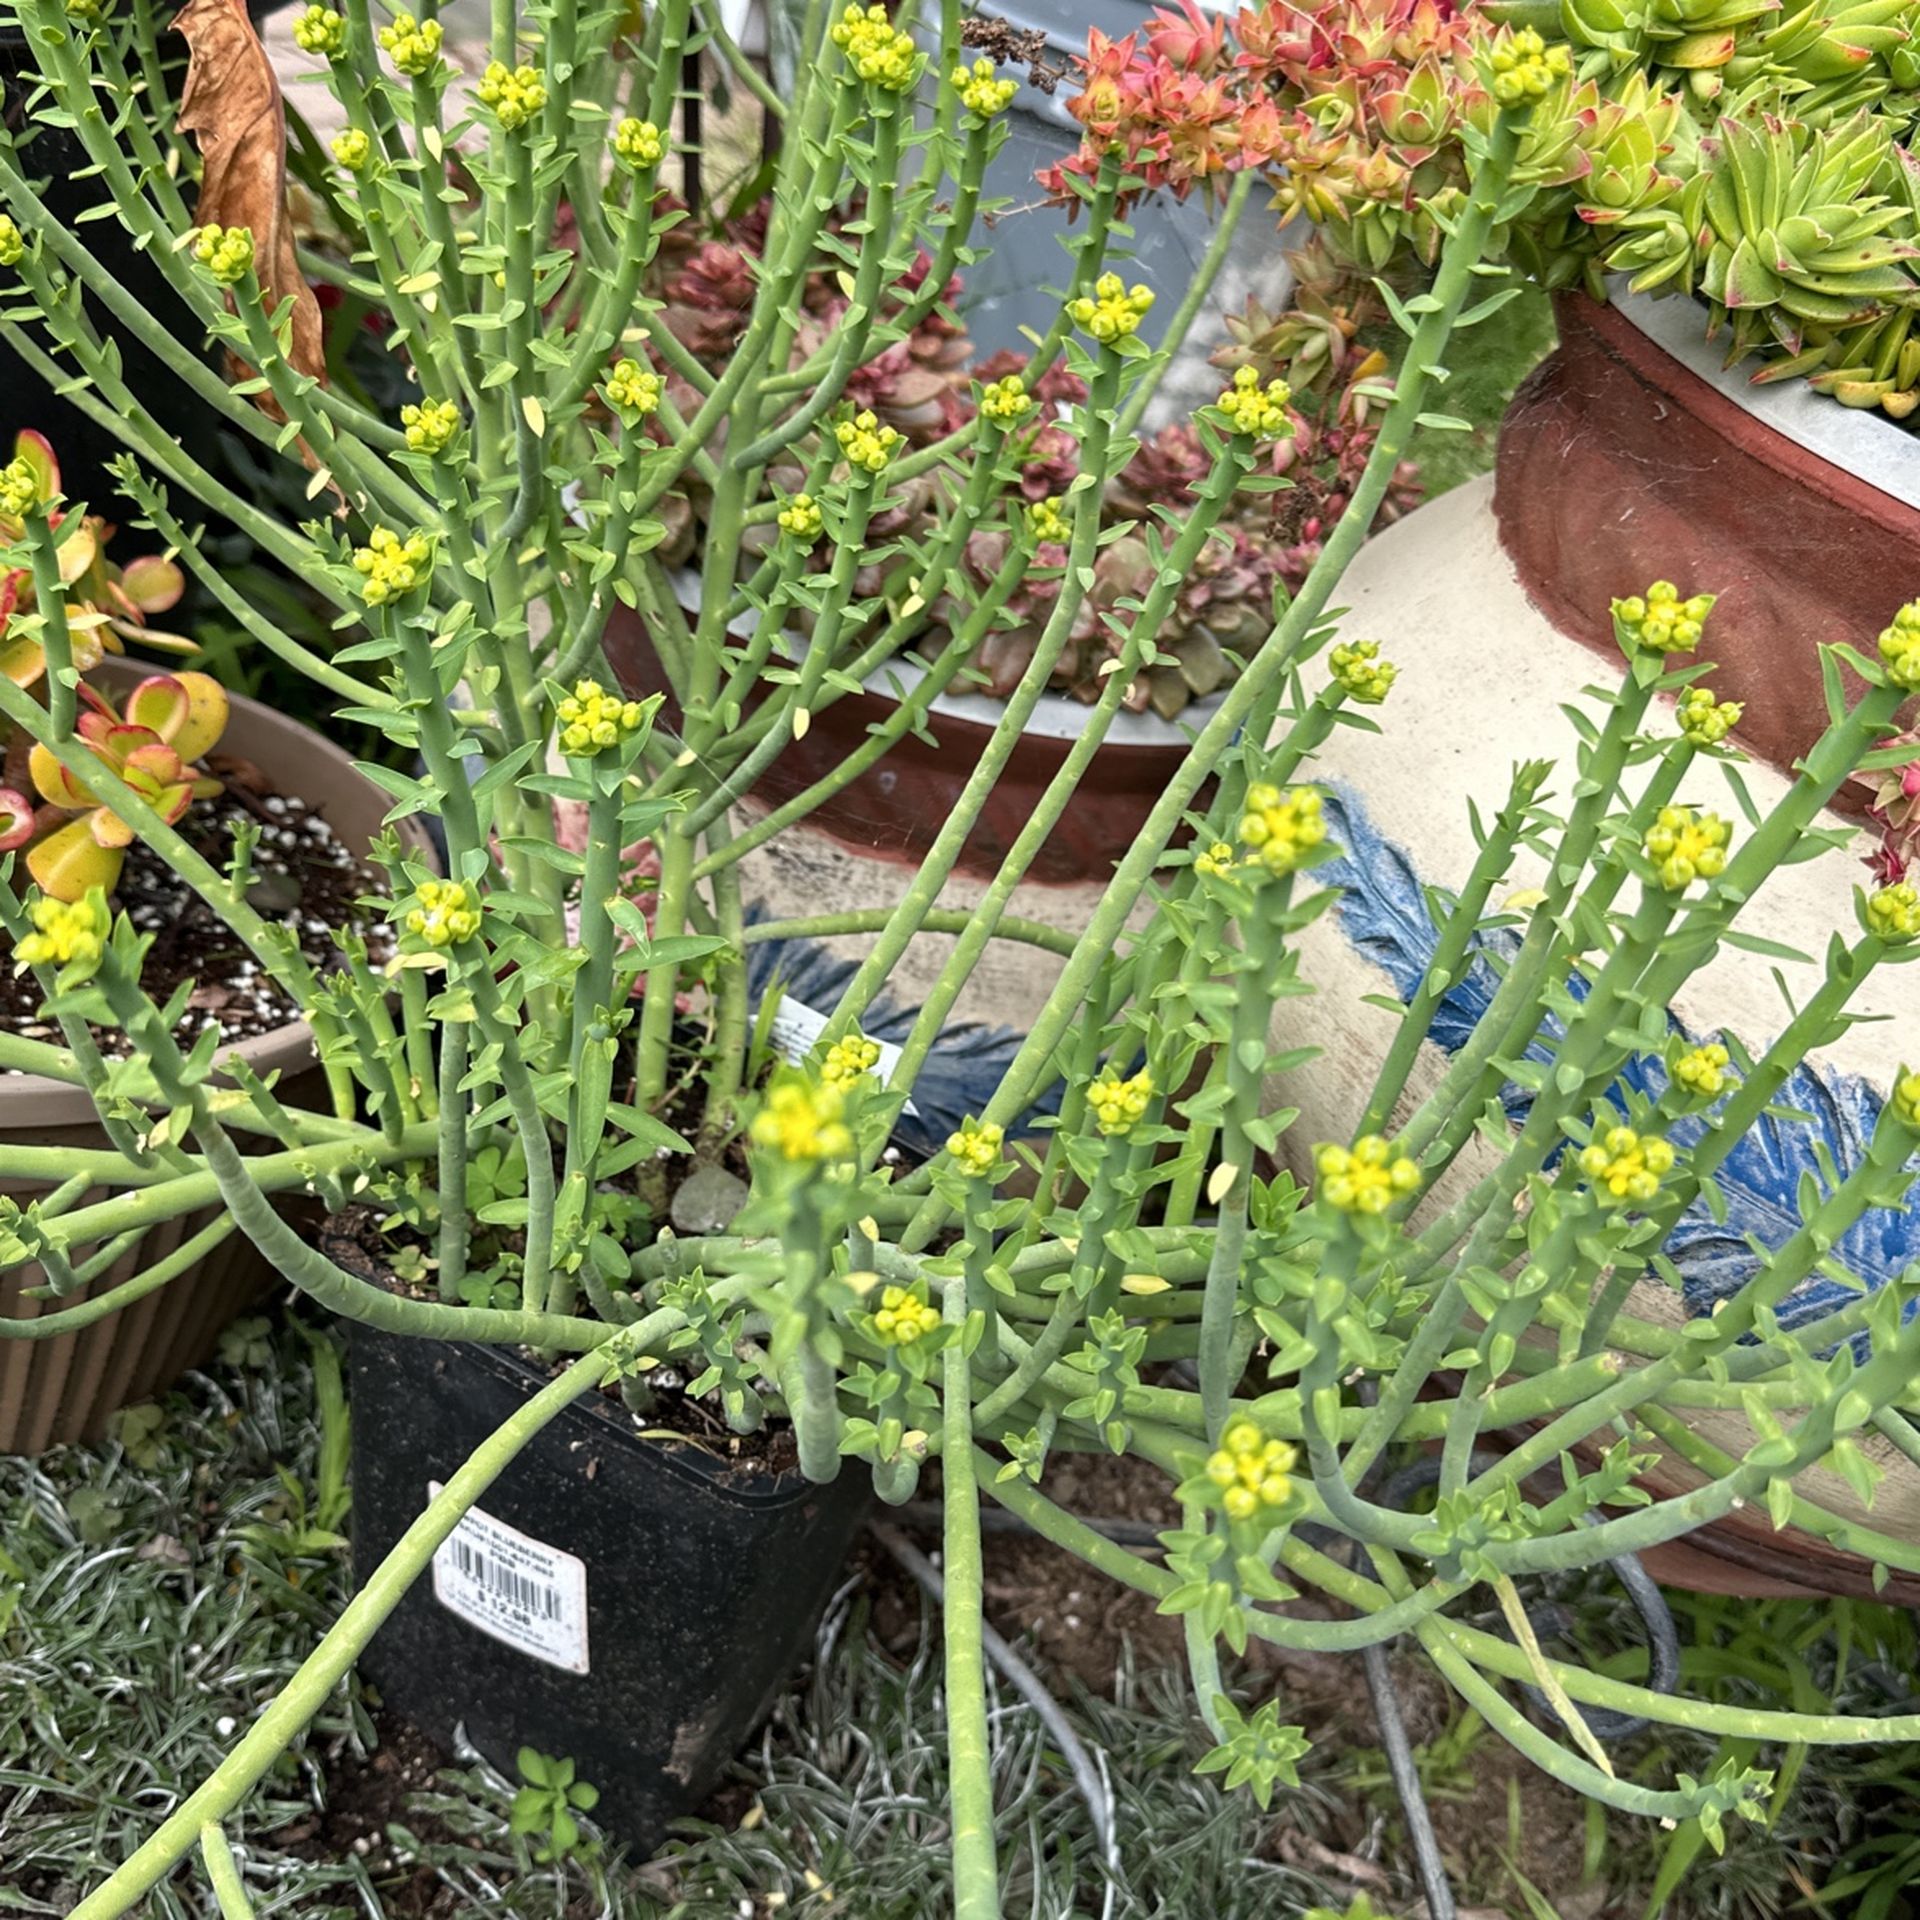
(66, 933)
(1258, 411)
(448, 913)
(394, 565)
(876, 49)
(1659, 621)
(591, 719)
(902, 1318)
(1685, 846)
(800, 1122)
(1625, 1166)
(848, 1060)
(514, 94)
(225, 252)
(1282, 828)
(865, 442)
(1366, 1178)
(1359, 669)
(1113, 312)
(980, 91)
(1117, 1104)
(1704, 720)
(975, 1147)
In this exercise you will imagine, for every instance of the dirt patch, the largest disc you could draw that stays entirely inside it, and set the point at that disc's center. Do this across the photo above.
(364, 1796)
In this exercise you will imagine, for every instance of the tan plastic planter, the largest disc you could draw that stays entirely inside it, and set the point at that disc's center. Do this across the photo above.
(67, 1388)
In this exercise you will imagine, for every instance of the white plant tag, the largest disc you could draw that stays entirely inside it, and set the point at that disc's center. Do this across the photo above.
(797, 1026)
(514, 1587)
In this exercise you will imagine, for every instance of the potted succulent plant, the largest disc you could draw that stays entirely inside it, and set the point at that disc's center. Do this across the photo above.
(99, 1335)
(563, 1061)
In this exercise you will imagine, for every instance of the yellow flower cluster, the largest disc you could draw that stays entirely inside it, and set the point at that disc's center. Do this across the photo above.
(801, 519)
(225, 252)
(66, 933)
(515, 94)
(448, 913)
(1118, 1103)
(431, 425)
(1258, 411)
(1359, 669)
(633, 390)
(1704, 720)
(639, 143)
(865, 442)
(1623, 1166)
(413, 44)
(393, 565)
(591, 718)
(19, 489)
(1216, 861)
(847, 1060)
(980, 91)
(1368, 1177)
(1894, 912)
(876, 50)
(1114, 311)
(1006, 402)
(1523, 67)
(1906, 1100)
(1047, 522)
(802, 1122)
(1251, 1471)
(1703, 1070)
(1685, 846)
(1900, 646)
(902, 1318)
(976, 1147)
(1281, 828)
(352, 149)
(1659, 621)
(318, 29)
(13, 245)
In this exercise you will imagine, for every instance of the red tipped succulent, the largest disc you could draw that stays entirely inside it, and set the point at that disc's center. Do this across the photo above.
(169, 721)
(105, 603)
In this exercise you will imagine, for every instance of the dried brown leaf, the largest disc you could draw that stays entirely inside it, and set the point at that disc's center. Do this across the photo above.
(231, 105)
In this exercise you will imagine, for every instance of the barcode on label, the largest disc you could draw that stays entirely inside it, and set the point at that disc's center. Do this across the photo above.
(515, 1588)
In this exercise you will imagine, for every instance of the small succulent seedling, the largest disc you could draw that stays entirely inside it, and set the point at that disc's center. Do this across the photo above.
(546, 1807)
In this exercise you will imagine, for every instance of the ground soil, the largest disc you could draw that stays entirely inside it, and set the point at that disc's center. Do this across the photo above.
(303, 878)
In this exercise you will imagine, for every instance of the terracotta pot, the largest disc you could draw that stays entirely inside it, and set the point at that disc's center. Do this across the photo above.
(66, 1388)
(895, 809)
(860, 850)
(1630, 456)
(1620, 462)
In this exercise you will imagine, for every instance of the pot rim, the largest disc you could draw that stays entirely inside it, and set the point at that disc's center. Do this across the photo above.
(1055, 716)
(32, 1103)
(1874, 450)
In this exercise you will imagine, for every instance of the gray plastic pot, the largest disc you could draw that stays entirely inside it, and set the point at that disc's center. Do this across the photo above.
(66, 1388)
(1014, 285)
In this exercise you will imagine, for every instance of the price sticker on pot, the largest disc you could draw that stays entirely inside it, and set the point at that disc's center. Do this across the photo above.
(796, 1026)
(514, 1587)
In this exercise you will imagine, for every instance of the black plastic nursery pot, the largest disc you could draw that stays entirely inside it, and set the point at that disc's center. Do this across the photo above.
(633, 1604)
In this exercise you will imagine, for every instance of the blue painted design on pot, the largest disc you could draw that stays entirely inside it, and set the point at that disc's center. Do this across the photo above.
(1384, 915)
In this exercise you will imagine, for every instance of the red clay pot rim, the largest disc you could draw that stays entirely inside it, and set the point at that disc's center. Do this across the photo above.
(1055, 716)
(29, 1101)
(1871, 449)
